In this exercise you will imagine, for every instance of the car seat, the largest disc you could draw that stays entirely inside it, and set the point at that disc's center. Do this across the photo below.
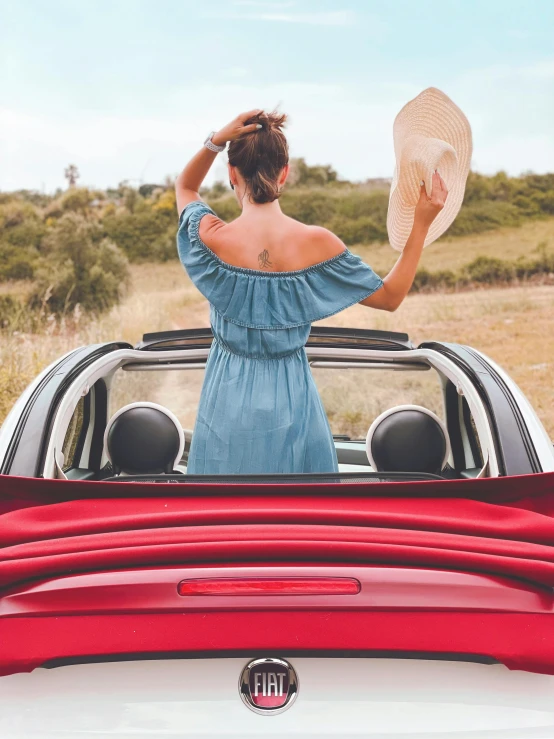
(144, 438)
(408, 438)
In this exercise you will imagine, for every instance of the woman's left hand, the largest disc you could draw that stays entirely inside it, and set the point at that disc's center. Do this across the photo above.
(236, 128)
(428, 208)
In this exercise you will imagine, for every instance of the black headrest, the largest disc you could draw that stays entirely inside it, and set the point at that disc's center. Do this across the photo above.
(143, 438)
(408, 438)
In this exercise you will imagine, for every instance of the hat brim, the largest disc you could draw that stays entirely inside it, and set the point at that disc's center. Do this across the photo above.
(434, 115)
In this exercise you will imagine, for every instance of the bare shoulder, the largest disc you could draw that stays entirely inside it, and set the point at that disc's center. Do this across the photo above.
(209, 228)
(326, 242)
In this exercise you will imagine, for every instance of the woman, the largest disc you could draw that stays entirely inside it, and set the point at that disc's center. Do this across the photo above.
(267, 278)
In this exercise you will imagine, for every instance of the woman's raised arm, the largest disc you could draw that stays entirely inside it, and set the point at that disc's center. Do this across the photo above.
(191, 178)
(397, 284)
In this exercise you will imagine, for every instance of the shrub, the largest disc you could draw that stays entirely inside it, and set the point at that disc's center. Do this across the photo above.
(148, 189)
(356, 230)
(490, 270)
(16, 264)
(364, 203)
(226, 208)
(441, 279)
(487, 270)
(546, 202)
(145, 235)
(305, 175)
(312, 207)
(21, 233)
(79, 266)
(10, 308)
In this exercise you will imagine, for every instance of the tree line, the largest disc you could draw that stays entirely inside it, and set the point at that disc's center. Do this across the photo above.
(75, 245)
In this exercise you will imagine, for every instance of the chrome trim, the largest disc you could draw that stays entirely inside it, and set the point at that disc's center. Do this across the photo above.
(394, 366)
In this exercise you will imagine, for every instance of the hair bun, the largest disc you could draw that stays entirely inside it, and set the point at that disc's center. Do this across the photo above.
(273, 121)
(261, 155)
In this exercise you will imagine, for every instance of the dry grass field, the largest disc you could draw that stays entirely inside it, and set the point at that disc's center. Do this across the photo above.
(450, 253)
(514, 326)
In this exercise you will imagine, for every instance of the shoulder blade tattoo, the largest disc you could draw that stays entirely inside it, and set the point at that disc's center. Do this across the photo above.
(263, 259)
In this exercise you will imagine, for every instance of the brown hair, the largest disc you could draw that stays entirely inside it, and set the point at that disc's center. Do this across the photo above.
(261, 155)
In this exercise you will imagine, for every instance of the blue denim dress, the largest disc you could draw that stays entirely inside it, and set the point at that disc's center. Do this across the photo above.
(260, 411)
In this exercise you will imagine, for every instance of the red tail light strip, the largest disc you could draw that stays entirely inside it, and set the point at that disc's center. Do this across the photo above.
(341, 587)
(270, 586)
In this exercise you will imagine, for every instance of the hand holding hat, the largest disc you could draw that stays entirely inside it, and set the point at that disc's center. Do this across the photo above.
(433, 144)
(429, 207)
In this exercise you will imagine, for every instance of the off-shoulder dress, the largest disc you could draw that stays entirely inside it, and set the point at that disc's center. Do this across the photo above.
(260, 411)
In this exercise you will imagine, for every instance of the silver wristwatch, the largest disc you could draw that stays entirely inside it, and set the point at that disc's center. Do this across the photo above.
(209, 144)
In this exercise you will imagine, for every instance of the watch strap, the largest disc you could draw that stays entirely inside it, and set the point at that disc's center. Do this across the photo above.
(209, 144)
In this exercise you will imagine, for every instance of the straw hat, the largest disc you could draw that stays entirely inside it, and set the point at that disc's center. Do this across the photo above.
(430, 132)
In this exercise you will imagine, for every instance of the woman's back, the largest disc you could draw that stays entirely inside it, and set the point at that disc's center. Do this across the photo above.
(269, 241)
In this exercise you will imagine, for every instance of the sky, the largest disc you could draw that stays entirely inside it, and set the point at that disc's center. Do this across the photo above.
(129, 89)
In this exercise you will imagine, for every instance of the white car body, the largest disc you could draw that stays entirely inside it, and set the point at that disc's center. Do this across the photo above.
(338, 698)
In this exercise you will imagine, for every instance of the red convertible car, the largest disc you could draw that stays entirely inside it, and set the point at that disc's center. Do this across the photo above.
(409, 595)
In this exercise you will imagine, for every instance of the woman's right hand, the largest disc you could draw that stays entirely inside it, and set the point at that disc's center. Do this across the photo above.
(428, 208)
(237, 127)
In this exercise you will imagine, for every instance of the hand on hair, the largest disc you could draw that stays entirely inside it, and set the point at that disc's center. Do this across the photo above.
(237, 128)
(428, 208)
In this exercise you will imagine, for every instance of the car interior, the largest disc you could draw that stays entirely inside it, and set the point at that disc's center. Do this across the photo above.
(147, 439)
(381, 424)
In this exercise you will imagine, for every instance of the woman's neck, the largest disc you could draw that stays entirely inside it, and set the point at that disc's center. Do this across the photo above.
(260, 210)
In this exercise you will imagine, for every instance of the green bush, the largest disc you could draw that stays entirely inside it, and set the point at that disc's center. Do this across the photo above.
(356, 230)
(21, 233)
(16, 264)
(144, 229)
(226, 207)
(543, 263)
(312, 207)
(305, 175)
(10, 308)
(79, 266)
(353, 203)
(546, 202)
(486, 271)
(490, 270)
(441, 279)
(143, 235)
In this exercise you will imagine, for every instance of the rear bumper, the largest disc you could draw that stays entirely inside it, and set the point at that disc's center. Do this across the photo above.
(337, 698)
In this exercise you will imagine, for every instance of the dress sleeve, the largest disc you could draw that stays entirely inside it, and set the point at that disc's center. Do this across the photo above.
(342, 282)
(197, 260)
(189, 222)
